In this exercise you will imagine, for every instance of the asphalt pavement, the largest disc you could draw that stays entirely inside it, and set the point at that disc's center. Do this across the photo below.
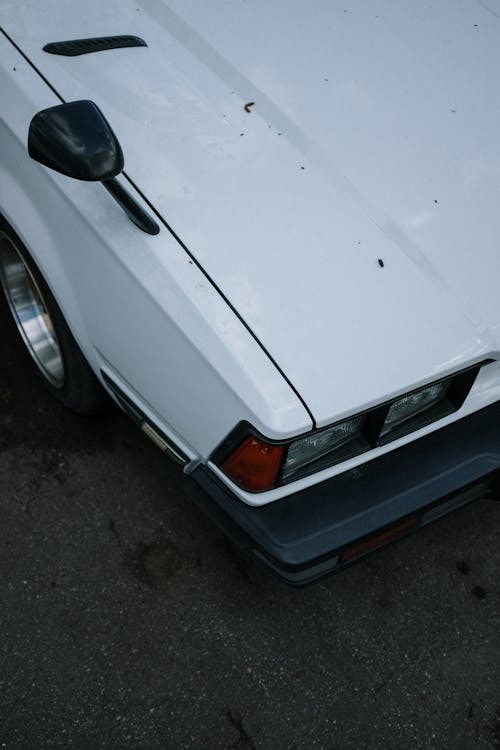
(128, 621)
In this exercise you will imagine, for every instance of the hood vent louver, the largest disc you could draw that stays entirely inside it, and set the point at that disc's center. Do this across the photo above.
(74, 47)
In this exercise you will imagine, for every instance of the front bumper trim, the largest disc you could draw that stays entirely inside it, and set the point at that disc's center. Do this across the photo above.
(303, 536)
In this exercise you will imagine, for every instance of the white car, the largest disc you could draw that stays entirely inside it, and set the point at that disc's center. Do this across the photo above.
(293, 284)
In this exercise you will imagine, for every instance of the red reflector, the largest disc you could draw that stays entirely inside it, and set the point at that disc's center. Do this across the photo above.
(254, 465)
(379, 539)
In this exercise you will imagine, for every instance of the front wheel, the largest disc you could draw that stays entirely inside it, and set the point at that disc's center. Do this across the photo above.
(46, 336)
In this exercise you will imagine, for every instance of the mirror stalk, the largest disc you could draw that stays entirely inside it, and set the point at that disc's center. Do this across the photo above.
(134, 211)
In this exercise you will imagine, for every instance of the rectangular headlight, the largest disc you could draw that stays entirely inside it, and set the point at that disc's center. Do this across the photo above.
(318, 444)
(411, 406)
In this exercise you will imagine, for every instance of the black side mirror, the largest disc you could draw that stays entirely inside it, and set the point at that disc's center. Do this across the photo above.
(76, 140)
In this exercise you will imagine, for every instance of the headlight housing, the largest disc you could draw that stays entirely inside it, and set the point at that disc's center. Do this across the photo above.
(345, 436)
(256, 464)
(413, 407)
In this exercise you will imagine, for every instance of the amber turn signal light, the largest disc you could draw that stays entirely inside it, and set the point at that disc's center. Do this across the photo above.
(254, 465)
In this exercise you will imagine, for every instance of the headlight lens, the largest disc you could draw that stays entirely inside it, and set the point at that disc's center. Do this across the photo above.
(412, 405)
(316, 445)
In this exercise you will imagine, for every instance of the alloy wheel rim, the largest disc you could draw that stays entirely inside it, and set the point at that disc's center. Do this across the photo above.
(30, 312)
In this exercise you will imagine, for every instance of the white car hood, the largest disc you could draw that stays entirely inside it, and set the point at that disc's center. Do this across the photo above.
(352, 215)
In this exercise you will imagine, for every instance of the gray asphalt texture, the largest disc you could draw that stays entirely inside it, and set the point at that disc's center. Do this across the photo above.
(127, 621)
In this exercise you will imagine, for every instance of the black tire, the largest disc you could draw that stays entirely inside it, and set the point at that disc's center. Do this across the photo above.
(75, 386)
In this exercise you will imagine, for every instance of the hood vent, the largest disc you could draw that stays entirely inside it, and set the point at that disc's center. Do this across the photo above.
(74, 47)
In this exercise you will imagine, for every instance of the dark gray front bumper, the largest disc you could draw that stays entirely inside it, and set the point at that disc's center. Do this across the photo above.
(321, 529)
